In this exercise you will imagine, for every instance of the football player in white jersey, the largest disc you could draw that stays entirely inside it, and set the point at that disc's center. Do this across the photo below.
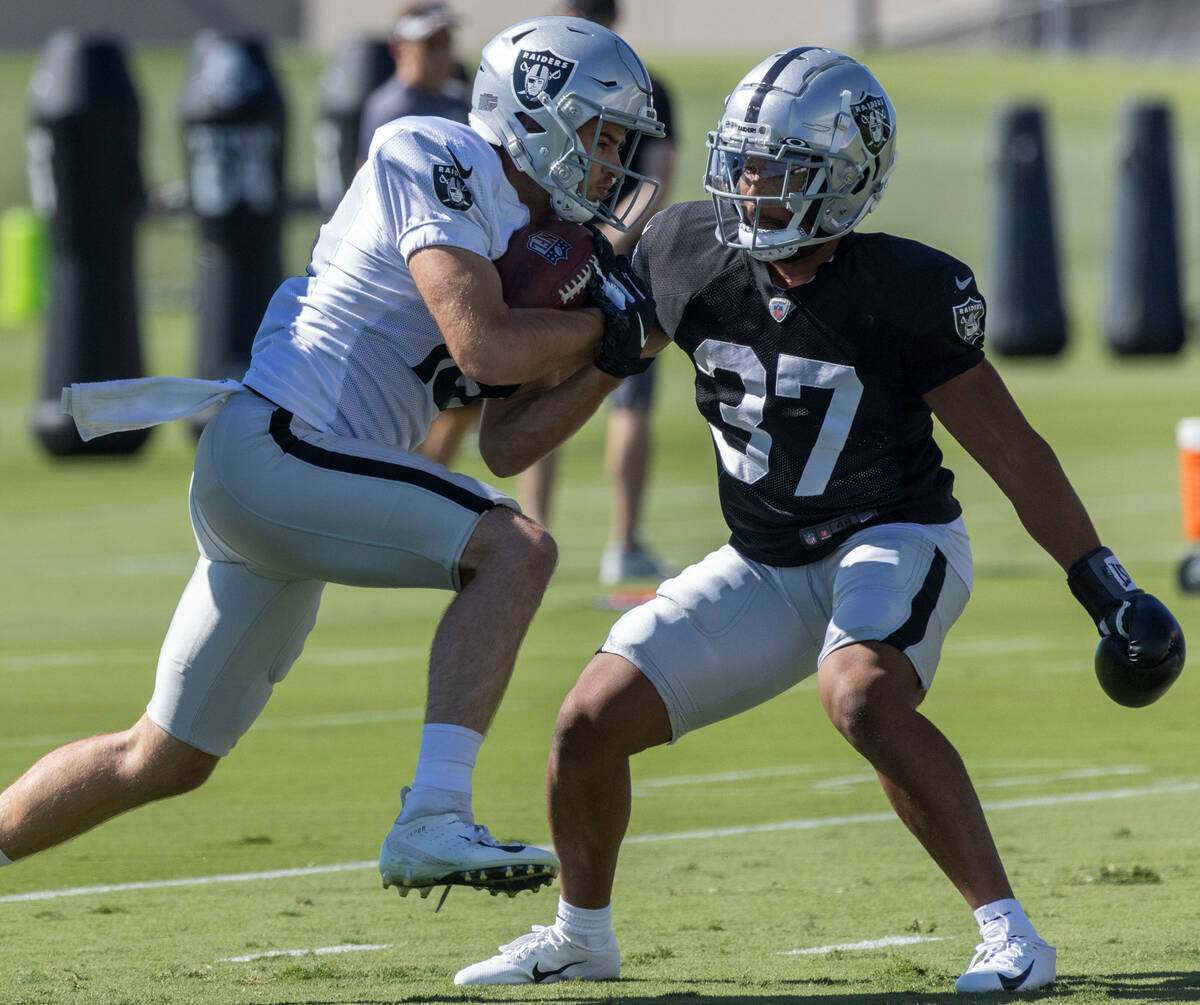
(306, 474)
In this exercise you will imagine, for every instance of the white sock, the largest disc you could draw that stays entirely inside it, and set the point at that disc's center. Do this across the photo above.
(1011, 911)
(587, 927)
(4, 859)
(447, 757)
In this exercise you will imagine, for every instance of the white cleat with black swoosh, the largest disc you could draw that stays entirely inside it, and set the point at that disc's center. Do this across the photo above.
(543, 956)
(436, 849)
(1006, 962)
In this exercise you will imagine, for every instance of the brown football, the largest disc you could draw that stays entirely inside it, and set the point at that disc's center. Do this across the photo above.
(547, 265)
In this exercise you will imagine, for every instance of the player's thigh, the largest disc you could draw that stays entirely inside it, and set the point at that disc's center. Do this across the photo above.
(719, 638)
(890, 585)
(234, 636)
(289, 501)
(613, 705)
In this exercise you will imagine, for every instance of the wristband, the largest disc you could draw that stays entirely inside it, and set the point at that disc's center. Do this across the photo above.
(1101, 584)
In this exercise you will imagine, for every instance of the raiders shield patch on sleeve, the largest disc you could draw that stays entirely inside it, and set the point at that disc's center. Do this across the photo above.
(968, 321)
(450, 186)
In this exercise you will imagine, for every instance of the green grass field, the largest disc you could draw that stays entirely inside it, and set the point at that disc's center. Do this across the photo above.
(1093, 806)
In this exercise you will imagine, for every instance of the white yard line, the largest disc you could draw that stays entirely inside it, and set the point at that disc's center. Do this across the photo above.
(1168, 787)
(722, 776)
(116, 565)
(889, 940)
(160, 884)
(342, 719)
(648, 786)
(72, 659)
(267, 722)
(321, 951)
(1165, 788)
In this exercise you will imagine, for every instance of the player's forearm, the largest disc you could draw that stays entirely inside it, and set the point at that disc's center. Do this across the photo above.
(524, 344)
(513, 435)
(1047, 505)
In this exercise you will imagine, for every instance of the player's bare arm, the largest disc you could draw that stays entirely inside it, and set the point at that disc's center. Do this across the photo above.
(491, 342)
(978, 411)
(1141, 648)
(526, 426)
(516, 431)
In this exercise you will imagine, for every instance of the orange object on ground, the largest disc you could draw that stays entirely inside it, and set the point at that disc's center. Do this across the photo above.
(1187, 437)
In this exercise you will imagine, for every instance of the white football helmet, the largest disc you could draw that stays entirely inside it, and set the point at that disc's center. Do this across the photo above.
(819, 120)
(561, 72)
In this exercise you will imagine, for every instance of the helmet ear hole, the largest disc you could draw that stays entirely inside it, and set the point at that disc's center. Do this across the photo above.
(864, 180)
(532, 126)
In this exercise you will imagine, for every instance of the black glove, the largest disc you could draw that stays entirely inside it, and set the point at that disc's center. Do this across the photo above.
(628, 317)
(1141, 649)
(605, 255)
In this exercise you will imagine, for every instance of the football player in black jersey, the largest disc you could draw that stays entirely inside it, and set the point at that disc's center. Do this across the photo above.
(821, 357)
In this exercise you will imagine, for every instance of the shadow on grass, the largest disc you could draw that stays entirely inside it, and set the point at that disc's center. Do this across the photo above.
(1153, 986)
(1150, 986)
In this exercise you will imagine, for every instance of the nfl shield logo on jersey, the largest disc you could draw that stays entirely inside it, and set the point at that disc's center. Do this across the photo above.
(539, 75)
(450, 187)
(780, 308)
(550, 246)
(872, 118)
(968, 321)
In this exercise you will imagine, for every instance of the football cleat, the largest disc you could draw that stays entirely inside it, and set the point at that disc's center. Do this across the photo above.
(1006, 962)
(620, 564)
(444, 849)
(543, 956)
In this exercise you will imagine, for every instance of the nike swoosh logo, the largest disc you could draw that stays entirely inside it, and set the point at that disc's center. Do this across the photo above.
(645, 334)
(465, 173)
(514, 848)
(1011, 983)
(962, 284)
(540, 975)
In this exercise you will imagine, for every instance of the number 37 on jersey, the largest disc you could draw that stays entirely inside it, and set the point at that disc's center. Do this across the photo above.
(737, 426)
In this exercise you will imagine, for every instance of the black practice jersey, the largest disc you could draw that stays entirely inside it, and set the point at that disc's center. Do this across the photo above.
(813, 394)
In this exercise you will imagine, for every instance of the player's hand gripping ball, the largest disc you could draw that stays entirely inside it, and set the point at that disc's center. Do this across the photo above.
(547, 265)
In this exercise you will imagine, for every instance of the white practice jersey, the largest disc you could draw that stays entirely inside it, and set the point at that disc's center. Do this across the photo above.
(350, 347)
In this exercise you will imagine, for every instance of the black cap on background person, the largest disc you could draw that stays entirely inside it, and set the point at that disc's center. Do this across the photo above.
(422, 21)
(602, 12)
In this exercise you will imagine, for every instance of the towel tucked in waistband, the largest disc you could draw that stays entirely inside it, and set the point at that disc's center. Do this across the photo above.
(114, 406)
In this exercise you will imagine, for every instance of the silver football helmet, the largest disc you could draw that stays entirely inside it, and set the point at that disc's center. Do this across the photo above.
(819, 121)
(542, 79)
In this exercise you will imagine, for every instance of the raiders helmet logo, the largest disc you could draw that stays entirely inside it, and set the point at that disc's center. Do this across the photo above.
(872, 118)
(551, 247)
(450, 187)
(968, 321)
(539, 75)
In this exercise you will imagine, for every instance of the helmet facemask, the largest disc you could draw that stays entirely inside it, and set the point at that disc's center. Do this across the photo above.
(566, 176)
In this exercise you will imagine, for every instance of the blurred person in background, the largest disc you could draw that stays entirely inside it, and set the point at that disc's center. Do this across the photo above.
(821, 357)
(428, 81)
(306, 473)
(627, 443)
